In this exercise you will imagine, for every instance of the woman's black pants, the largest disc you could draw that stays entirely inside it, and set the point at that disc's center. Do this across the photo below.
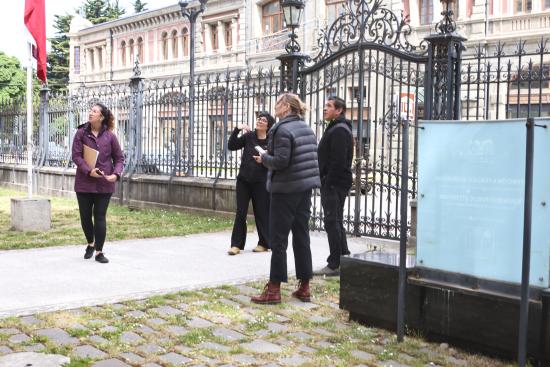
(260, 203)
(92, 204)
(290, 212)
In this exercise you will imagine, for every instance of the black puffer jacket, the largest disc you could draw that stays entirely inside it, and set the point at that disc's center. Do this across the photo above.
(336, 154)
(291, 157)
(250, 170)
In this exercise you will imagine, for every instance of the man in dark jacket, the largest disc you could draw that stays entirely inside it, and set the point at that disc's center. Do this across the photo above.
(335, 155)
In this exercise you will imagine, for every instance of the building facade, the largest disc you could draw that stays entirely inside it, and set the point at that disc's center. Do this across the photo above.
(230, 34)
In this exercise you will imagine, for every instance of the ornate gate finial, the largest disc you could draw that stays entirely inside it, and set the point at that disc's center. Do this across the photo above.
(442, 96)
(447, 24)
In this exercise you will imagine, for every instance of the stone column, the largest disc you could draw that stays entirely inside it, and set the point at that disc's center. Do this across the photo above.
(179, 41)
(170, 45)
(207, 38)
(234, 33)
(438, 8)
(89, 60)
(221, 37)
(128, 57)
(96, 59)
(103, 51)
(414, 13)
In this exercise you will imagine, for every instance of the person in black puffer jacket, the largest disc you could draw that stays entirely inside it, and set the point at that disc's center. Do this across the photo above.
(291, 158)
(251, 184)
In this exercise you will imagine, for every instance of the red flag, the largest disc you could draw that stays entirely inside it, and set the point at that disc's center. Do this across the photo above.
(35, 21)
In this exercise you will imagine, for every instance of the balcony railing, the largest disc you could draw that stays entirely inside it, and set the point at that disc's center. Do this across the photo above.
(272, 42)
(519, 23)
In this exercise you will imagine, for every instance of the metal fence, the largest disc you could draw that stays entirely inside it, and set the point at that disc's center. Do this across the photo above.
(386, 82)
(152, 122)
(506, 80)
(13, 131)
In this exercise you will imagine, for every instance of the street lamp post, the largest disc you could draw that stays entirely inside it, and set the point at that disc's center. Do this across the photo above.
(191, 14)
(293, 59)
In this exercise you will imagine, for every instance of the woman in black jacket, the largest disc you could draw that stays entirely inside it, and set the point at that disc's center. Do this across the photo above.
(251, 183)
(291, 158)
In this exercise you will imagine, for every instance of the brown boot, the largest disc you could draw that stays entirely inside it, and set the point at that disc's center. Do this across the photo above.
(271, 294)
(302, 292)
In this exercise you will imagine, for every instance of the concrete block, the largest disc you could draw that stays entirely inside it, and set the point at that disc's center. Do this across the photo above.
(33, 359)
(30, 214)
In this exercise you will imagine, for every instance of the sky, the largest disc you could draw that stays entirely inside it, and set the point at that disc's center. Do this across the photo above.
(14, 35)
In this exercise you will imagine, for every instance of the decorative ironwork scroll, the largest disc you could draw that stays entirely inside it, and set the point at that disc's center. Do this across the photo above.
(366, 21)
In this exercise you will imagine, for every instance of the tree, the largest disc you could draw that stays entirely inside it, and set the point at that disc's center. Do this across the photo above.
(58, 58)
(101, 11)
(13, 81)
(114, 11)
(96, 11)
(139, 6)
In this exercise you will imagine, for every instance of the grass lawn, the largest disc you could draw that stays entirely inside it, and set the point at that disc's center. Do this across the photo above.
(122, 224)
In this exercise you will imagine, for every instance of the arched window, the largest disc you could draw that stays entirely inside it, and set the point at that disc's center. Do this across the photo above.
(132, 51)
(140, 50)
(174, 40)
(164, 46)
(185, 41)
(122, 53)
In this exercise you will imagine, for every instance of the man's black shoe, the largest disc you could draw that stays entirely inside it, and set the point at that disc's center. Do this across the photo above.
(101, 258)
(328, 272)
(89, 252)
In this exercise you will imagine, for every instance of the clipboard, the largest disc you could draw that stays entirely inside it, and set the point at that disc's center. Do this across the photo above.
(90, 155)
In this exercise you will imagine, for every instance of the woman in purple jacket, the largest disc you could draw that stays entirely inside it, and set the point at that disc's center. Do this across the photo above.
(95, 185)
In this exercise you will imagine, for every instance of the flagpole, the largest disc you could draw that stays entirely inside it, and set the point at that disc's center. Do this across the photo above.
(29, 122)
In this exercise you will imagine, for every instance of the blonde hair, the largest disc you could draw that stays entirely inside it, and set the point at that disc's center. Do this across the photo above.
(296, 105)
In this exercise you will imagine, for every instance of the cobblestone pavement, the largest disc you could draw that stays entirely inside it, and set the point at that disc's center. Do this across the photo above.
(221, 327)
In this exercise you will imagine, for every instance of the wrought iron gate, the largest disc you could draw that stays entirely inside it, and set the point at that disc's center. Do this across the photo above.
(365, 58)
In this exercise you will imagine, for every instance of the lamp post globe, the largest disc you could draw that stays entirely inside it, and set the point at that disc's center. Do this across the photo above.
(293, 60)
(292, 12)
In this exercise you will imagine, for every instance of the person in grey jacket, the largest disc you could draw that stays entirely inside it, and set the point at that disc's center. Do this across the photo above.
(293, 172)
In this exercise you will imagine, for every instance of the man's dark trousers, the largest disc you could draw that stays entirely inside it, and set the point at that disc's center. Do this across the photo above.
(290, 212)
(332, 200)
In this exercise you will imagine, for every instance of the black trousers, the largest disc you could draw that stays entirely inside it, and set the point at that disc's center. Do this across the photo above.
(290, 212)
(332, 200)
(260, 203)
(91, 204)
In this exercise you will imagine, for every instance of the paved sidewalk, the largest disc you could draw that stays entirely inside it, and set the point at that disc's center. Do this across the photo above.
(193, 317)
(58, 278)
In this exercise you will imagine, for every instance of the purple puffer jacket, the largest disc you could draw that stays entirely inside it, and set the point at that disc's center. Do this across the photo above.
(110, 159)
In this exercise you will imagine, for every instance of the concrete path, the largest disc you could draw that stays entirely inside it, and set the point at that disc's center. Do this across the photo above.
(56, 278)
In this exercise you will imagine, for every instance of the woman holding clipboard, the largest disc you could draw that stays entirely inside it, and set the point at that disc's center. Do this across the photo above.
(99, 163)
